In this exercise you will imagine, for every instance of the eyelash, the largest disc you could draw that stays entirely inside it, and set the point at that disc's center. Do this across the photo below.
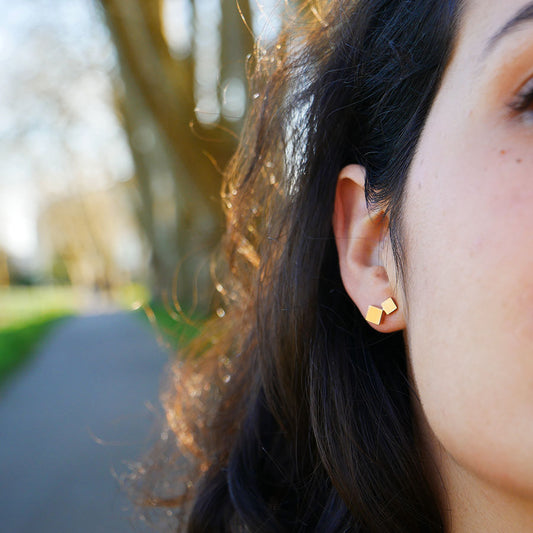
(524, 99)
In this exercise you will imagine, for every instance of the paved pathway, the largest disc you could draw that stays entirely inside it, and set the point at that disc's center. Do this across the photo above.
(70, 418)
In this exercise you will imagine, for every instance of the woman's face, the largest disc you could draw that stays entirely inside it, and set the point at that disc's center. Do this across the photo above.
(468, 235)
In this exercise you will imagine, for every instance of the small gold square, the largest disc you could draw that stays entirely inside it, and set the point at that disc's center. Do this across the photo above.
(389, 306)
(373, 315)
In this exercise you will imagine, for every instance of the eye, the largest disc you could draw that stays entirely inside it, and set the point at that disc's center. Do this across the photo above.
(524, 98)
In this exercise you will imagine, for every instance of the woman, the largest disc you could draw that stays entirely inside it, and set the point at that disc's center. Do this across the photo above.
(385, 172)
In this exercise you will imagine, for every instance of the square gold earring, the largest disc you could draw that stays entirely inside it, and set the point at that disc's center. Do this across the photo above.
(374, 314)
(389, 306)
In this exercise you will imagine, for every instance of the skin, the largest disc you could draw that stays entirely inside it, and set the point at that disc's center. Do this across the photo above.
(466, 307)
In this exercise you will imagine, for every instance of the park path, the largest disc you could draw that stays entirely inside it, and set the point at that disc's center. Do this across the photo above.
(76, 413)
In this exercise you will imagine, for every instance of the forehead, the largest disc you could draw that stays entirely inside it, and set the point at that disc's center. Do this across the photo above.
(491, 35)
(486, 24)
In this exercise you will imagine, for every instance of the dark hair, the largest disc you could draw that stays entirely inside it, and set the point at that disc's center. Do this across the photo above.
(298, 415)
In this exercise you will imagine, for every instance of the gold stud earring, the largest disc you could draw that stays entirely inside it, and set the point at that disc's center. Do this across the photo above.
(374, 314)
(389, 306)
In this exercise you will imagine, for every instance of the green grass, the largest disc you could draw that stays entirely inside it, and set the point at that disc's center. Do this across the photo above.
(130, 296)
(173, 330)
(20, 305)
(18, 342)
(27, 315)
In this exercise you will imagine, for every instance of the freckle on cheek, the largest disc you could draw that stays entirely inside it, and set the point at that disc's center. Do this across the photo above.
(519, 161)
(503, 152)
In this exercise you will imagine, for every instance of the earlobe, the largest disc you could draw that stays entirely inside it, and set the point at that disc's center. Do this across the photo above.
(360, 237)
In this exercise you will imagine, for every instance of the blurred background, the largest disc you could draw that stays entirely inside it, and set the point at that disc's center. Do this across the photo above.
(116, 118)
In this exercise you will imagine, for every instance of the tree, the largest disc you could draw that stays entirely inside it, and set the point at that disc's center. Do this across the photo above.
(178, 148)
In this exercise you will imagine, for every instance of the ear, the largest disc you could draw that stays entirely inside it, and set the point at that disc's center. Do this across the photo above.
(363, 245)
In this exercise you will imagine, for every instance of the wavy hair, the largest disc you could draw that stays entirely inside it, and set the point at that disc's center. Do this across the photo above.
(290, 412)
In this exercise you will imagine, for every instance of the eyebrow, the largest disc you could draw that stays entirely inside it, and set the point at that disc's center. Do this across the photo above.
(524, 15)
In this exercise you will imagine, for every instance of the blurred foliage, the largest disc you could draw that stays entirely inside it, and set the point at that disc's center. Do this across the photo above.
(22, 305)
(88, 236)
(131, 296)
(173, 329)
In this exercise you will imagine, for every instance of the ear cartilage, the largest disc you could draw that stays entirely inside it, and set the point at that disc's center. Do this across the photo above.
(389, 306)
(373, 315)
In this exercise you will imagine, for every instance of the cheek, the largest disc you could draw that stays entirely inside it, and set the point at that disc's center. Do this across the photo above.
(469, 256)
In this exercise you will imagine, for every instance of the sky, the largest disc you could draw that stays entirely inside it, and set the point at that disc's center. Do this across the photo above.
(58, 131)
